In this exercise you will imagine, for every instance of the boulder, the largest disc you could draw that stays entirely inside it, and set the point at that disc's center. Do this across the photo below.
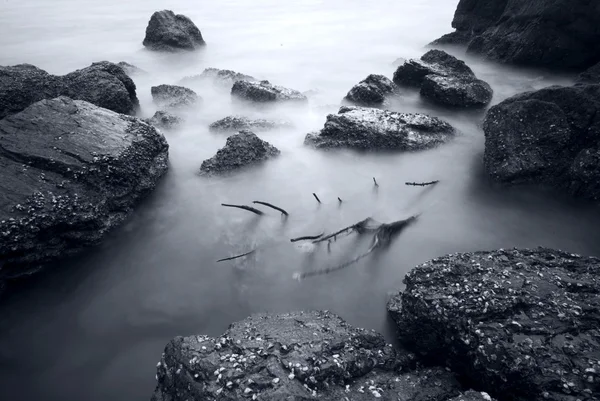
(265, 92)
(165, 120)
(241, 150)
(374, 129)
(220, 78)
(173, 96)
(103, 84)
(294, 356)
(169, 32)
(590, 76)
(239, 123)
(71, 171)
(371, 91)
(520, 324)
(549, 137)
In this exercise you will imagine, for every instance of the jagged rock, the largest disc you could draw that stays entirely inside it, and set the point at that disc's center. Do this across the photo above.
(294, 356)
(131, 69)
(169, 32)
(265, 92)
(221, 78)
(520, 324)
(103, 84)
(173, 96)
(590, 76)
(445, 80)
(70, 172)
(239, 123)
(241, 150)
(372, 91)
(165, 120)
(374, 129)
(549, 137)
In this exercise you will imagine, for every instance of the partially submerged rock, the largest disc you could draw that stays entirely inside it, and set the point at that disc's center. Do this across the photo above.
(241, 150)
(590, 76)
(221, 78)
(165, 120)
(169, 32)
(173, 96)
(131, 69)
(265, 92)
(371, 91)
(521, 324)
(70, 172)
(239, 123)
(374, 129)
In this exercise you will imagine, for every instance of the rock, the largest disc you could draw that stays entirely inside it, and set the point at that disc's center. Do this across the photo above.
(294, 356)
(549, 137)
(173, 96)
(374, 129)
(445, 80)
(473, 396)
(103, 84)
(265, 92)
(221, 78)
(371, 91)
(557, 34)
(169, 32)
(590, 76)
(241, 150)
(71, 171)
(131, 69)
(165, 120)
(239, 123)
(520, 324)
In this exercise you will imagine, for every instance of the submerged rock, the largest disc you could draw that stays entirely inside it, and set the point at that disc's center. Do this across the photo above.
(165, 120)
(371, 91)
(374, 129)
(265, 92)
(103, 84)
(222, 78)
(169, 32)
(70, 172)
(241, 150)
(521, 324)
(173, 96)
(239, 123)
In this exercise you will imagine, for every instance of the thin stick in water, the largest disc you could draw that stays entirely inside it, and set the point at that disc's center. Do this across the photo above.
(307, 237)
(237, 256)
(421, 184)
(340, 199)
(375, 181)
(272, 207)
(316, 197)
(248, 208)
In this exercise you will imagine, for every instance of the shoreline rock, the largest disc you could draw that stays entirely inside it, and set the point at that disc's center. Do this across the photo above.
(239, 123)
(264, 92)
(219, 77)
(168, 32)
(171, 97)
(165, 121)
(372, 91)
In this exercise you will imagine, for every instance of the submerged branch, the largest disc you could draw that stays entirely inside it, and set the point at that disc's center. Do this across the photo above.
(307, 237)
(237, 256)
(422, 184)
(375, 182)
(272, 207)
(316, 197)
(248, 208)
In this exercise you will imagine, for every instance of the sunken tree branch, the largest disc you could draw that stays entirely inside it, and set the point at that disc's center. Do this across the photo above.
(248, 208)
(272, 207)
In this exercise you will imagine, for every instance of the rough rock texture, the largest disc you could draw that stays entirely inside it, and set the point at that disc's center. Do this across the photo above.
(298, 356)
(559, 34)
(241, 150)
(165, 120)
(521, 324)
(103, 84)
(130, 69)
(239, 123)
(371, 91)
(374, 129)
(173, 96)
(473, 396)
(445, 80)
(221, 78)
(169, 32)
(70, 171)
(265, 92)
(550, 136)
(590, 76)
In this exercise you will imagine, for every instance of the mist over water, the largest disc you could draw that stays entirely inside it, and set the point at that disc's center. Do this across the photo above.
(94, 327)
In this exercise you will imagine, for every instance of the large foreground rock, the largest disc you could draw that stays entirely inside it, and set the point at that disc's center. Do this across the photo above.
(521, 324)
(103, 84)
(296, 356)
(549, 136)
(265, 92)
(169, 32)
(171, 97)
(374, 129)
(70, 172)
(547, 33)
(372, 91)
(241, 150)
(239, 123)
(218, 77)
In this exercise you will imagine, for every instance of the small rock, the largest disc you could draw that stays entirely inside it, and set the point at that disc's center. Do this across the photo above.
(372, 91)
(165, 120)
(173, 96)
(239, 123)
(169, 32)
(265, 92)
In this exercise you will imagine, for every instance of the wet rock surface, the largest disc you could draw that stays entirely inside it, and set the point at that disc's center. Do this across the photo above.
(173, 96)
(220, 78)
(372, 91)
(241, 150)
(521, 324)
(165, 120)
(239, 123)
(70, 171)
(104, 84)
(169, 32)
(265, 92)
(548, 137)
(374, 129)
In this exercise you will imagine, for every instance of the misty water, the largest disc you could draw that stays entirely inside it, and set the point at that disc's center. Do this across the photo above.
(93, 327)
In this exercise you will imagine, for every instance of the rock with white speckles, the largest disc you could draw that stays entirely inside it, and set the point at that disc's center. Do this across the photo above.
(372, 91)
(172, 97)
(239, 123)
(263, 92)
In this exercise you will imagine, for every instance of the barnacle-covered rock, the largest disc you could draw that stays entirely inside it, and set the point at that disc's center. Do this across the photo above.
(239, 123)
(174, 96)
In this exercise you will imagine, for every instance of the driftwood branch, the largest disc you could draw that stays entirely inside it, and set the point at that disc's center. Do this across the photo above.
(340, 199)
(307, 237)
(237, 256)
(375, 182)
(248, 208)
(272, 207)
(422, 184)
(316, 197)
(361, 225)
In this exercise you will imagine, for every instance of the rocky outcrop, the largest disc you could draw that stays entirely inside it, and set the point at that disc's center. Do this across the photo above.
(103, 84)
(523, 324)
(165, 120)
(549, 137)
(241, 150)
(70, 172)
(374, 129)
(265, 92)
(218, 77)
(590, 76)
(171, 97)
(169, 32)
(559, 34)
(239, 123)
(372, 91)
(444, 80)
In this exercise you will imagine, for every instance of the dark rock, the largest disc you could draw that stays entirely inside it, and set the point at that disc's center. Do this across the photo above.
(173, 96)
(241, 150)
(546, 137)
(70, 171)
(374, 129)
(521, 324)
(239, 123)
(265, 92)
(372, 91)
(473, 396)
(221, 78)
(295, 356)
(131, 69)
(103, 84)
(169, 32)
(165, 120)
(590, 76)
